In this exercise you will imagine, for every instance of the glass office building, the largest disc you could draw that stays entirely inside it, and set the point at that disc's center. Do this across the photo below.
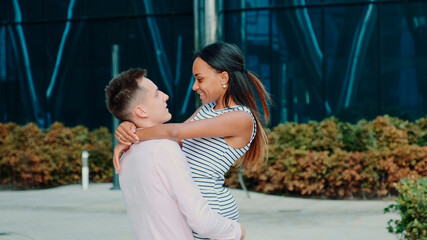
(351, 59)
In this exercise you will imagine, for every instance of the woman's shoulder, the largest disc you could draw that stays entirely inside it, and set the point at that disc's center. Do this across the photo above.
(236, 108)
(243, 108)
(206, 111)
(209, 105)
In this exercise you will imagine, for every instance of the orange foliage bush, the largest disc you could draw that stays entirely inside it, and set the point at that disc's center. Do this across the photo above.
(403, 162)
(31, 158)
(339, 160)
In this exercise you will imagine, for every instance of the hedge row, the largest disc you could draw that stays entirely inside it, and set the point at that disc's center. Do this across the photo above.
(31, 158)
(329, 158)
(338, 160)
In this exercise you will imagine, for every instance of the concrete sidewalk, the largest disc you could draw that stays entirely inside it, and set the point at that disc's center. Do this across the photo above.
(70, 213)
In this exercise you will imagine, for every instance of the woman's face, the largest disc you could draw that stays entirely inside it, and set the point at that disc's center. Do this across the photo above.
(208, 82)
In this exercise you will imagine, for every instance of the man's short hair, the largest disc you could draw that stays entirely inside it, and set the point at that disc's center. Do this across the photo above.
(121, 91)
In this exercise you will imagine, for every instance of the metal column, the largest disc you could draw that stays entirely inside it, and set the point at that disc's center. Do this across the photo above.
(114, 72)
(207, 22)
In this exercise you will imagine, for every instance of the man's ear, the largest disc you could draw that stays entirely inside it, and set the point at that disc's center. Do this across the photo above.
(139, 110)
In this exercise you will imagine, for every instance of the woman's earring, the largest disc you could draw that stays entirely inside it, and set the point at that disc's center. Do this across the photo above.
(224, 86)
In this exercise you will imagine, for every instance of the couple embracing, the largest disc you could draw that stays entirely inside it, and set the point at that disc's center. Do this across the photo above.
(172, 175)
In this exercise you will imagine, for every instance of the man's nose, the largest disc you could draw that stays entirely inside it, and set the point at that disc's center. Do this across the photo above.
(166, 97)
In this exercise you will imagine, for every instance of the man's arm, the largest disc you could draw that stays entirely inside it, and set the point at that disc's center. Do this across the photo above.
(175, 174)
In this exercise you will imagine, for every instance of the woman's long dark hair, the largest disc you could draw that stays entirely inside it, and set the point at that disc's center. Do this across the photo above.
(228, 57)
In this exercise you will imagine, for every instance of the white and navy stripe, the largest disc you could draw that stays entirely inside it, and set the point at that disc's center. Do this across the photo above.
(210, 159)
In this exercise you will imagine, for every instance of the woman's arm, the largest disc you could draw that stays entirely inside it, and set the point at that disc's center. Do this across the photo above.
(232, 124)
(119, 149)
(236, 124)
(125, 133)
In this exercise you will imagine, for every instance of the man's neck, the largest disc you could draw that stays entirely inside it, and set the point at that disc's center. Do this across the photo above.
(145, 124)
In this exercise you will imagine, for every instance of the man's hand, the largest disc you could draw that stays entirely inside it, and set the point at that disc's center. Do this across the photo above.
(243, 232)
(118, 150)
(125, 133)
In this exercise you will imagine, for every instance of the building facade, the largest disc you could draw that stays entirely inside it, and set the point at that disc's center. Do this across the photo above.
(352, 59)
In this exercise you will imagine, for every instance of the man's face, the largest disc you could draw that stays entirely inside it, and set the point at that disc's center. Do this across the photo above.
(155, 102)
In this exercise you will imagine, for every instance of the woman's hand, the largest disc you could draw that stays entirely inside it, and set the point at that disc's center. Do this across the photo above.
(243, 232)
(125, 133)
(118, 150)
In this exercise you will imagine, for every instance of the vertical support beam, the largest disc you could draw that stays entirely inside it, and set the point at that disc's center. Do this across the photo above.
(207, 24)
(3, 76)
(114, 72)
(243, 26)
(197, 23)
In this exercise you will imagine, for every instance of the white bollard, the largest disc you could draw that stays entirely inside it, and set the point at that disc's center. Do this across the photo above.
(85, 170)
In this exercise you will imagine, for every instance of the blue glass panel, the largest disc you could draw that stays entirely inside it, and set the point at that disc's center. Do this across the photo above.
(68, 89)
(3, 53)
(256, 45)
(233, 21)
(243, 4)
(352, 2)
(363, 73)
(231, 5)
(257, 3)
(182, 6)
(257, 27)
(297, 65)
(5, 15)
(26, 10)
(61, 9)
(151, 6)
(312, 2)
(26, 51)
(297, 3)
(167, 57)
(351, 58)
(107, 8)
(181, 54)
(56, 70)
(403, 60)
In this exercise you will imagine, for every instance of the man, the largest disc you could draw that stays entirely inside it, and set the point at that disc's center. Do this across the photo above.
(162, 200)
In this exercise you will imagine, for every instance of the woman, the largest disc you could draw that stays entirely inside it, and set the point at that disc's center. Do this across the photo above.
(227, 127)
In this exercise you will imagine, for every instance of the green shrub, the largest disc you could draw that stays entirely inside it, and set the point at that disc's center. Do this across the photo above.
(421, 137)
(327, 136)
(411, 204)
(359, 137)
(387, 135)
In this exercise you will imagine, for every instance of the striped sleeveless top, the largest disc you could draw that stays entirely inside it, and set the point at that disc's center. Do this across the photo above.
(210, 159)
